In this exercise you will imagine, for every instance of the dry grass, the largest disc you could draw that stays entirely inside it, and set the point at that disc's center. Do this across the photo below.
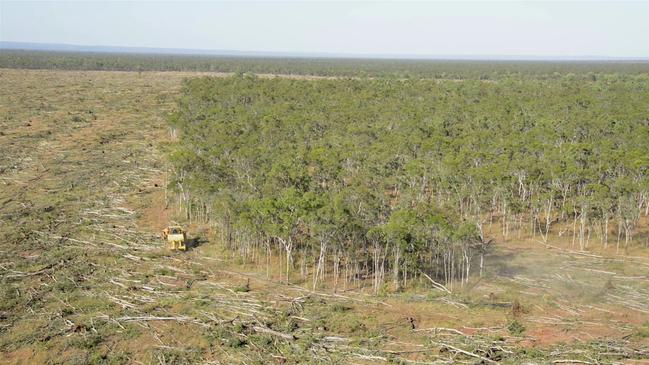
(85, 278)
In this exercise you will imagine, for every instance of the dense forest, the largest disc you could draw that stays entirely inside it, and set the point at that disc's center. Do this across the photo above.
(384, 68)
(390, 180)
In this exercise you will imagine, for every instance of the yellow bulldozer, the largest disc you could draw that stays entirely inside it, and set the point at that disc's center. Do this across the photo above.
(175, 237)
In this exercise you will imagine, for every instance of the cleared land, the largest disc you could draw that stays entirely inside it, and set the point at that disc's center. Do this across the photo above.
(86, 279)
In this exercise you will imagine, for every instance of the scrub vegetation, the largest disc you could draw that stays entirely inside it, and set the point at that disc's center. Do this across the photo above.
(324, 67)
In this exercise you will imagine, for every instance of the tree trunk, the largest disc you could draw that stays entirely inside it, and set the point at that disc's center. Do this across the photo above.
(605, 232)
(395, 269)
(321, 259)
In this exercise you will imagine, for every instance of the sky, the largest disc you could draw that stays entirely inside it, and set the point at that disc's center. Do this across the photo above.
(549, 29)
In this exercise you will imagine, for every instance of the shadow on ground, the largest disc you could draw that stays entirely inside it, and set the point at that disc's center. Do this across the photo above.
(195, 242)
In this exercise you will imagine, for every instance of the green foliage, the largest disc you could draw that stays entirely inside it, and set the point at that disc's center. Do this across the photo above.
(241, 289)
(408, 167)
(515, 328)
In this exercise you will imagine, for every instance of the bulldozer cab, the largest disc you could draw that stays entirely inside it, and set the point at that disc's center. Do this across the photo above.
(175, 237)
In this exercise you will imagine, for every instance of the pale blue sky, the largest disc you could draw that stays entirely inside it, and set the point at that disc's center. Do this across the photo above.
(618, 29)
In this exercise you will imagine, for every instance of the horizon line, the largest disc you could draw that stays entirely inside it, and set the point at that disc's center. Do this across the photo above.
(172, 51)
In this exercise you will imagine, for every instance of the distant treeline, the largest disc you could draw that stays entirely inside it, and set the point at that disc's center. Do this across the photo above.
(401, 69)
(376, 176)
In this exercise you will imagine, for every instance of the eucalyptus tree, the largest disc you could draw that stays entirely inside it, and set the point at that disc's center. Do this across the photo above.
(356, 178)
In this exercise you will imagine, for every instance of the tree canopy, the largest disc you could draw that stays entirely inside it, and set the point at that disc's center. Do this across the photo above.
(411, 168)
